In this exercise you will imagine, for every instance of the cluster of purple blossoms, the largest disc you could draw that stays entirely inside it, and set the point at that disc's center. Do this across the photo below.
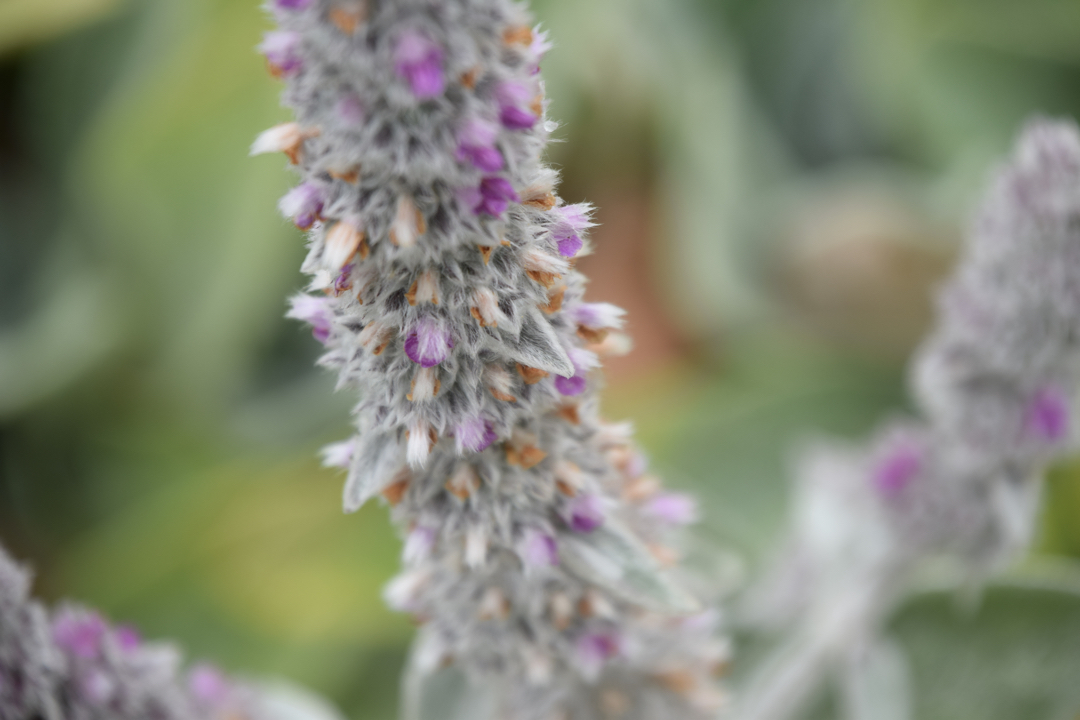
(539, 553)
(73, 665)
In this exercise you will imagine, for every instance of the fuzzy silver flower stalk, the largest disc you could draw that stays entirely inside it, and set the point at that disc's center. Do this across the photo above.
(995, 382)
(73, 665)
(442, 264)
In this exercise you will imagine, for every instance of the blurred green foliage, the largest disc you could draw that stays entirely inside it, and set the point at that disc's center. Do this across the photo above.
(159, 418)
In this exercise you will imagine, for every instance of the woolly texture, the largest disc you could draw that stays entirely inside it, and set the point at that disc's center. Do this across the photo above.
(442, 259)
(75, 666)
(994, 382)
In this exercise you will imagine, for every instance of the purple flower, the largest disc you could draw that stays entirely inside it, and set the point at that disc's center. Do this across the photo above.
(127, 638)
(494, 196)
(673, 508)
(418, 61)
(474, 435)
(282, 51)
(585, 513)
(428, 344)
(79, 633)
(570, 386)
(208, 685)
(539, 549)
(572, 219)
(593, 650)
(293, 4)
(898, 467)
(303, 204)
(316, 312)
(343, 281)
(583, 361)
(1048, 414)
(476, 145)
(568, 241)
(513, 99)
(598, 316)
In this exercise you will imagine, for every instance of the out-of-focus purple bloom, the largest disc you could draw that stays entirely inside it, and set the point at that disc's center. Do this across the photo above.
(598, 316)
(293, 4)
(418, 61)
(674, 508)
(79, 633)
(513, 100)
(343, 281)
(303, 204)
(208, 685)
(127, 638)
(476, 145)
(316, 312)
(474, 435)
(96, 687)
(429, 343)
(495, 195)
(585, 513)
(351, 110)
(572, 219)
(593, 650)
(1048, 414)
(898, 467)
(539, 549)
(282, 50)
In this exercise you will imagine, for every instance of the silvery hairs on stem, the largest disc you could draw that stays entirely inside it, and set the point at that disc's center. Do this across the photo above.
(443, 287)
(71, 664)
(995, 383)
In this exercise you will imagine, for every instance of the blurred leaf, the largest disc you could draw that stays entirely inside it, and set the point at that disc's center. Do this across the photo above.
(24, 22)
(285, 701)
(1017, 655)
(614, 559)
(442, 693)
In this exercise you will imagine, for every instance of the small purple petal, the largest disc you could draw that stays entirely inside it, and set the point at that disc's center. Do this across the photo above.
(293, 4)
(598, 315)
(898, 468)
(593, 650)
(673, 508)
(428, 344)
(570, 386)
(282, 50)
(208, 685)
(569, 244)
(494, 196)
(1048, 415)
(316, 312)
(539, 549)
(476, 144)
(474, 435)
(515, 118)
(79, 633)
(576, 216)
(127, 638)
(585, 513)
(343, 281)
(302, 204)
(418, 60)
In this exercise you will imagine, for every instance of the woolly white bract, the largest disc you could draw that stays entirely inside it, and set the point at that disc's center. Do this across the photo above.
(443, 260)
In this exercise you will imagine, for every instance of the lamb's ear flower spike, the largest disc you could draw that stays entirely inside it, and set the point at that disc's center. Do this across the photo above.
(72, 663)
(994, 382)
(446, 295)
